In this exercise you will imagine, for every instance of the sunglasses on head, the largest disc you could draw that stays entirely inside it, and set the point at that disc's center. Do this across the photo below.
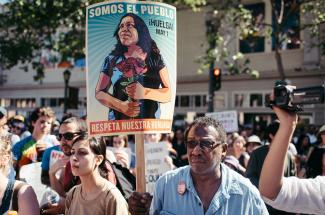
(68, 135)
(204, 144)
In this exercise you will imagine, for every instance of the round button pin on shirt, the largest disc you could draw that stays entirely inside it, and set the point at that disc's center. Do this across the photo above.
(181, 188)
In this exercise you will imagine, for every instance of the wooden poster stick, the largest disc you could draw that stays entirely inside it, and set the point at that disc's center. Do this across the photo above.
(140, 163)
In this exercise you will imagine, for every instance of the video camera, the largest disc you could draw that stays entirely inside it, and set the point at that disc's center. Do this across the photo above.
(285, 97)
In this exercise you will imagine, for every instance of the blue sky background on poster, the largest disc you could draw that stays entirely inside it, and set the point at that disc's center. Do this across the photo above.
(100, 42)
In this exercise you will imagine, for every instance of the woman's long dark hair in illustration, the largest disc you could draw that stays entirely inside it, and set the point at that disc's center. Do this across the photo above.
(98, 148)
(147, 44)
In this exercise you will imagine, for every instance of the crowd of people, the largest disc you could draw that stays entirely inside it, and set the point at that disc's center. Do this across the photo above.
(279, 171)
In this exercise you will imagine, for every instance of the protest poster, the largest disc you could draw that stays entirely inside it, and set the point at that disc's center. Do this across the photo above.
(228, 119)
(122, 154)
(156, 164)
(55, 156)
(131, 67)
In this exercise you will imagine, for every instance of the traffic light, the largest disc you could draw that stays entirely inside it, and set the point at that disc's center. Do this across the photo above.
(216, 79)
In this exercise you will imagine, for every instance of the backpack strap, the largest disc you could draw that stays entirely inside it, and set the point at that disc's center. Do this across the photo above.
(5, 204)
(15, 195)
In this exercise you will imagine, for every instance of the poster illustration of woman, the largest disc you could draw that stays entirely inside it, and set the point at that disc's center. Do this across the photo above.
(133, 79)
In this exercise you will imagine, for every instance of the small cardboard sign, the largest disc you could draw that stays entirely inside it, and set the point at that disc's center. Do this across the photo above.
(155, 162)
(228, 119)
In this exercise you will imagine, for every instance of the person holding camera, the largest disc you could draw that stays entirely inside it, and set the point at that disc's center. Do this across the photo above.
(257, 158)
(289, 193)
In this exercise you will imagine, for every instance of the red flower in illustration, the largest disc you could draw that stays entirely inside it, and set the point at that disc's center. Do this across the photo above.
(131, 67)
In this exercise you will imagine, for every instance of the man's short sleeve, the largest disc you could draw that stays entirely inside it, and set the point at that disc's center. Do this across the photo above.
(301, 195)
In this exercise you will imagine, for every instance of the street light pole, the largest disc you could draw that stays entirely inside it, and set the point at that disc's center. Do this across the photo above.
(211, 89)
(66, 77)
(210, 29)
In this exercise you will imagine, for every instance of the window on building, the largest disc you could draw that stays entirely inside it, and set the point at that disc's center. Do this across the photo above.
(5, 102)
(219, 100)
(250, 99)
(185, 101)
(241, 100)
(191, 101)
(197, 101)
(254, 43)
(176, 101)
(52, 102)
(256, 100)
(19, 103)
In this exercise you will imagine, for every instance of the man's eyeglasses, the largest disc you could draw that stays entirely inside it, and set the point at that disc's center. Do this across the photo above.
(204, 144)
(68, 135)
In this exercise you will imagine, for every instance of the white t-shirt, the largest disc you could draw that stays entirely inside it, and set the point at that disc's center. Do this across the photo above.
(301, 196)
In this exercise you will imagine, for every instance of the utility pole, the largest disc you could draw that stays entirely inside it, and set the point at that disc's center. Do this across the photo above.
(66, 78)
(210, 29)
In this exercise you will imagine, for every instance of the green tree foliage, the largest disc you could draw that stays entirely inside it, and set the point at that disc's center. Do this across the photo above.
(233, 15)
(29, 26)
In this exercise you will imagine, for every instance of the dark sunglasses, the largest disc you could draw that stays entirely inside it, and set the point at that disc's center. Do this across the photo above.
(16, 127)
(68, 136)
(204, 144)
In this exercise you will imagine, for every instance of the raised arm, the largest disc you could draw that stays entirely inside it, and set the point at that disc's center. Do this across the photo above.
(271, 178)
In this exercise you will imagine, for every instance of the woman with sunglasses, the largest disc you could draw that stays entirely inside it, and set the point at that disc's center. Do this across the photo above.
(95, 195)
